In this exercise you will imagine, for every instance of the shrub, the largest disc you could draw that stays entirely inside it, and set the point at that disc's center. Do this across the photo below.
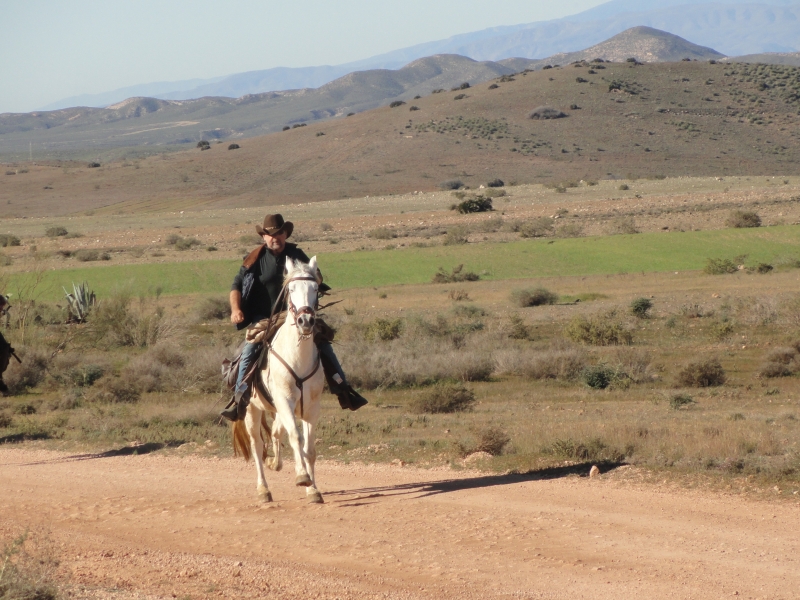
(764, 268)
(187, 243)
(624, 187)
(559, 361)
(286, 127)
(215, 308)
(296, 125)
(89, 255)
(456, 236)
(202, 144)
(115, 323)
(382, 233)
(28, 574)
(55, 232)
(720, 266)
(569, 230)
(115, 389)
(536, 297)
(489, 439)
(742, 219)
(599, 330)
(444, 398)
(494, 193)
(494, 86)
(546, 112)
(593, 449)
(396, 103)
(703, 372)
(623, 226)
(781, 362)
(384, 329)
(640, 307)
(93, 165)
(413, 108)
(85, 375)
(474, 205)
(28, 374)
(599, 377)
(459, 97)
(6, 240)
(456, 275)
(236, 146)
(495, 183)
(539, 227)
(451, 184)
(679, 401)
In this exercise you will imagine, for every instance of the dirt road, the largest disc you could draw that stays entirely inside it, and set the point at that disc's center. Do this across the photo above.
(156, 526)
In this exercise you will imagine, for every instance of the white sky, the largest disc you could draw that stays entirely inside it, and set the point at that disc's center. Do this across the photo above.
(53, 49)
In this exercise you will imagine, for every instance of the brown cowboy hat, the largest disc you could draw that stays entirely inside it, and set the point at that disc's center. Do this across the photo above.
(274, 224)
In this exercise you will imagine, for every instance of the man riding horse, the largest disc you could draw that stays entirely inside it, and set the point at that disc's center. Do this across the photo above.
(255, 291)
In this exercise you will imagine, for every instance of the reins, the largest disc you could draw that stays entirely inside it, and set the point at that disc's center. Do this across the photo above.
(299, 381)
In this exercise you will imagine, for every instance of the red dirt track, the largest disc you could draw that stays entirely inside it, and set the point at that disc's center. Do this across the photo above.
(162, 526)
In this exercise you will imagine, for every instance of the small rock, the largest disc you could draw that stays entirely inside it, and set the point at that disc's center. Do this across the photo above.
(398, 462)
(477, 456)
(594, 471)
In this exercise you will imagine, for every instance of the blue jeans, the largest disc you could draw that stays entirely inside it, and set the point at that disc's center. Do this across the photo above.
(248, 353)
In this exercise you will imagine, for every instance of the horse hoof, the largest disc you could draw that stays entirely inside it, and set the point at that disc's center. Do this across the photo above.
(276, 467)
(303, 480)
(316, 498)
(264, 495)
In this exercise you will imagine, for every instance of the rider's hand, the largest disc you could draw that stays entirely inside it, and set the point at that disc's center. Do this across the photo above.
(237, 316)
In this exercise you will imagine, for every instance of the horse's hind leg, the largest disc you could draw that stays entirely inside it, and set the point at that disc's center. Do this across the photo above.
(252, 422)
(276, 462)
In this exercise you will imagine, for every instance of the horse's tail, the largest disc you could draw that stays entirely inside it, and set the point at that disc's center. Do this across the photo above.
(241, 441)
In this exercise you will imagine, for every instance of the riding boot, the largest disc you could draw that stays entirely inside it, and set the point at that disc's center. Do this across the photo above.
(237, 407)
(348, 397)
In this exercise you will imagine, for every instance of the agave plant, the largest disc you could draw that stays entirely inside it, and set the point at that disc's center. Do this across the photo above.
(79, 302)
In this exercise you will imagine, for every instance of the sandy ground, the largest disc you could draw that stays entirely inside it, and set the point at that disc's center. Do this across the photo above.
(159, 526)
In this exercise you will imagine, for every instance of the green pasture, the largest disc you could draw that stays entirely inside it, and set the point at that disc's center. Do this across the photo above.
(524, 259)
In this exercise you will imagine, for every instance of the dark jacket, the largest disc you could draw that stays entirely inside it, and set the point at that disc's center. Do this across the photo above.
(260, 279)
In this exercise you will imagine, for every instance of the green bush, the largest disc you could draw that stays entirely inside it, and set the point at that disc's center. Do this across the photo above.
(6, 240)
(55, 232)
(451, 184)
(599, 330)
(640, 307)
(720, 266)
(703, 372)
(456, 235)
(539, 227)
(444, 398)
(599, 377)
(456, 275)
(474, 205)
(535, 297)
(679, 401)
(384, 329)
(743, 219)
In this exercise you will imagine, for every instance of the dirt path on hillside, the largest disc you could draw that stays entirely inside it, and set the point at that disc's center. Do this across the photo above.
(156, 526)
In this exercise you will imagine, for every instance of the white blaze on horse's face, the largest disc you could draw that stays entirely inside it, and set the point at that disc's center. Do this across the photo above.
(302, 290)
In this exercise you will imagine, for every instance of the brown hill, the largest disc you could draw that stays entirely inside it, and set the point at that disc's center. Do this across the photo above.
(149, 122)
(645, 44)
(673, 119)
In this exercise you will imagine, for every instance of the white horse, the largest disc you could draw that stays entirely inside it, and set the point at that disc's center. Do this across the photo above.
(294, 378)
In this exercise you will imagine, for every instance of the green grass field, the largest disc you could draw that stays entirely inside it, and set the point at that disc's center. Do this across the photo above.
(650, 252)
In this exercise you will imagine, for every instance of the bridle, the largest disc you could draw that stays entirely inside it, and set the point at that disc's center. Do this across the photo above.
(303, 310)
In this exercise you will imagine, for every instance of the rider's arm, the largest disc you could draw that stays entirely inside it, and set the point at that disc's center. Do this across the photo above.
(235, 298)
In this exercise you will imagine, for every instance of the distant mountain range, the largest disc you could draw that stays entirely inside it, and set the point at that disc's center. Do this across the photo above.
(146, 122)
(733, 27)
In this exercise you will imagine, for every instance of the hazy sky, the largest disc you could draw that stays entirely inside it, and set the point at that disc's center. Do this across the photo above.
(53, 49)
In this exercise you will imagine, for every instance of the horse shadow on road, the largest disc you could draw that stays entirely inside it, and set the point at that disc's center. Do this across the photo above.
(433, 488)
(124, 451)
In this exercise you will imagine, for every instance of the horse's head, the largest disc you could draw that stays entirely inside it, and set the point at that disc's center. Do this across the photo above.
(302, 292)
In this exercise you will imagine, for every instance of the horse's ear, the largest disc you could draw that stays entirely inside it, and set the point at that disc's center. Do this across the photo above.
(289, 265)
(312, 264)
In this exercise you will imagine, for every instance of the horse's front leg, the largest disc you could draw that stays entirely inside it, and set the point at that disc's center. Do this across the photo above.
(310, 447)
(252, 422)
(285, 408)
